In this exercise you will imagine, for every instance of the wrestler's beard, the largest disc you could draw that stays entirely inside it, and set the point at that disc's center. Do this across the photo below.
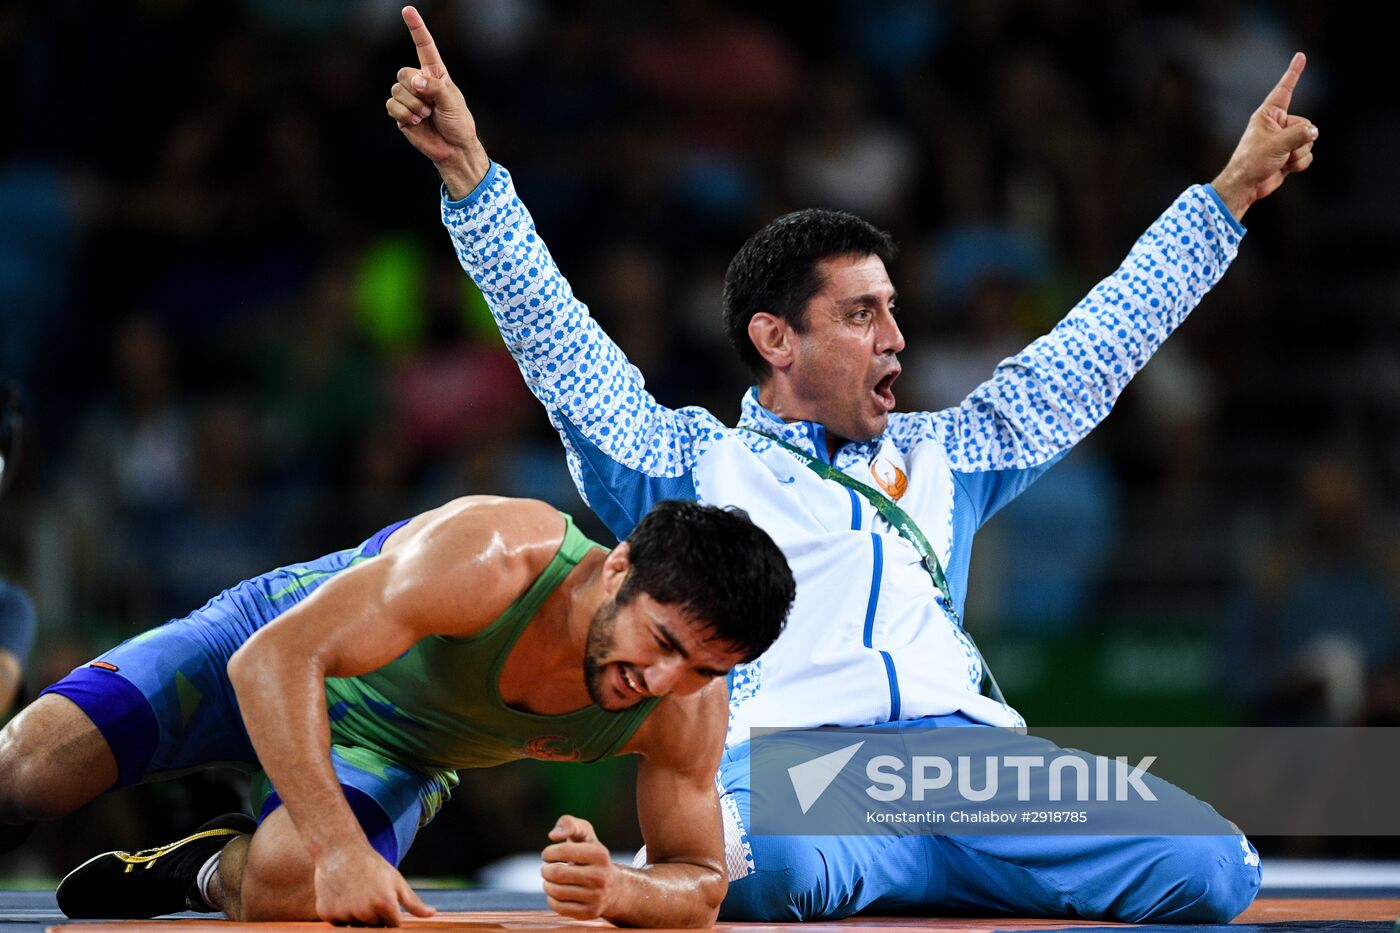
(597, 648)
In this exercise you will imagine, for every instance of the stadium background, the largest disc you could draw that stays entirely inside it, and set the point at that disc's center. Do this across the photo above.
(244, 340)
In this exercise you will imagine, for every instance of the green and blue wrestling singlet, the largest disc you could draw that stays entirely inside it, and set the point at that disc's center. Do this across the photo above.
(164, 703)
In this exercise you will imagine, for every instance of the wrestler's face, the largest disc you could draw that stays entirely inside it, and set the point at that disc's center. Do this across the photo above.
(844, 364)
(645, 648)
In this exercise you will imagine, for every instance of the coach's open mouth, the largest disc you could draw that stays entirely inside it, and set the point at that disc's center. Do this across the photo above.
(884, 390)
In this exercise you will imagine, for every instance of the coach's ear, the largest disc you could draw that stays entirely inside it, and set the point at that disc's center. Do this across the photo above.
(773, 338)
(615, 568)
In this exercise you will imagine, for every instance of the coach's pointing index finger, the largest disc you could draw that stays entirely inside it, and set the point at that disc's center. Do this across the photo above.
(1282, 94)
(428, 57)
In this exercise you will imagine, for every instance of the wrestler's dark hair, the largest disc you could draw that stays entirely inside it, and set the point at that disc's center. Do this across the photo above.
(718, 566)
(776, 271)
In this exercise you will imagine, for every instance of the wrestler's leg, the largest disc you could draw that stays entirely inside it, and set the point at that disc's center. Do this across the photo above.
(53, 759)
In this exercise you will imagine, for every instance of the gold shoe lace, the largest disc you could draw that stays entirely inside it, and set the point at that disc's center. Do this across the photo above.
(147, 857)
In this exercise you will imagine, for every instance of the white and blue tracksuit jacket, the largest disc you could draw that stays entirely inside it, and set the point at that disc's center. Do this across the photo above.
(868, 640)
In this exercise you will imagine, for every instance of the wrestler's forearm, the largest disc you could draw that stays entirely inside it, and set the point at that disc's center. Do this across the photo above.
(672, 894)
(282, 697)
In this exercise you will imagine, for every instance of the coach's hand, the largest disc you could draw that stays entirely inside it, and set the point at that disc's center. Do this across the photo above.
(1275, 144)
(431, 111)
(356, 886)
(579, 874)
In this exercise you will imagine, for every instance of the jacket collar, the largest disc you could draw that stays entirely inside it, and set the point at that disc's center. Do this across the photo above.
(805, 435)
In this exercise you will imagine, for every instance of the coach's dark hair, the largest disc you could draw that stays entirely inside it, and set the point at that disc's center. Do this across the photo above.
(776, 270)
(718, 566)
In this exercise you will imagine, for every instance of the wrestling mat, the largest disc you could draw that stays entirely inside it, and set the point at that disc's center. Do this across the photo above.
(470, 911)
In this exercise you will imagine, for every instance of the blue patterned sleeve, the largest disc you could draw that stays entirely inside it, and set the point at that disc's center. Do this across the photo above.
(1043, 400)
(625, 450)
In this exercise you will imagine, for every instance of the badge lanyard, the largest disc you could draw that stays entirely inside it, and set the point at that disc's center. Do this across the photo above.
(908, 530)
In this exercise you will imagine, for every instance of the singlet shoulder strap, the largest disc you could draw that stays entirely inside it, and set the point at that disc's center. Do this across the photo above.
(574, 545)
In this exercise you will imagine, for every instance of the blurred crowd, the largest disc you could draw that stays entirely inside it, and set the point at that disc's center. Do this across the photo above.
(244, 340)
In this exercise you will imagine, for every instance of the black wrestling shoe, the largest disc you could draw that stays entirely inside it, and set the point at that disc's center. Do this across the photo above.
(151, 882)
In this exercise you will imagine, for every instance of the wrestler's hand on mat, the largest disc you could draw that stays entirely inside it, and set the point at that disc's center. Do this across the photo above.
(578, 870)
(431, 111)
(355, 886)
(1275, 144)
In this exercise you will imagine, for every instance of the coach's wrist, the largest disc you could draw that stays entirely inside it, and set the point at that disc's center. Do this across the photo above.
(1234, 194)
(463, 171)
